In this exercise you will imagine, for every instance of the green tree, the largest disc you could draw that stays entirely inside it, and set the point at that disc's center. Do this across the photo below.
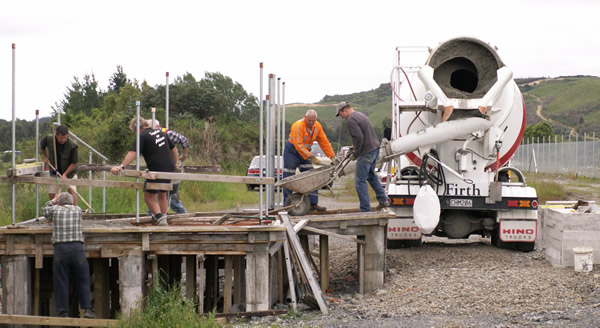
(540, 130)
(117, 80)
(82, 96)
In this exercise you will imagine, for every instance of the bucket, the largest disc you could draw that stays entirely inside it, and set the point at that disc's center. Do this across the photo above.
(583, 260)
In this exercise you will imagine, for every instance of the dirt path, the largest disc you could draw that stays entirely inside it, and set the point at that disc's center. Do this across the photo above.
(539, 114)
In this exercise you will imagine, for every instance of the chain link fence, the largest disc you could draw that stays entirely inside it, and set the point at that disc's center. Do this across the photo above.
(559, 155)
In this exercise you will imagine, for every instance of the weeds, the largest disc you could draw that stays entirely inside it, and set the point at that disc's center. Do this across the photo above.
(166, 309)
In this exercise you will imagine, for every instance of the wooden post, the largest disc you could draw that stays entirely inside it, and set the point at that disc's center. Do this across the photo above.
(201, 283)
(360, 260)
(130, 281)
(101, 288)
(228, 284)
(190, 277)
(237, 279)
(212, 281)
(16, 285)
(257, 287)
(280, 296)
(374, 257)
(114, 286)
(324, 261)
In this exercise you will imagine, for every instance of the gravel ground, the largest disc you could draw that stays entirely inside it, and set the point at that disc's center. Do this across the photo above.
(449, 283)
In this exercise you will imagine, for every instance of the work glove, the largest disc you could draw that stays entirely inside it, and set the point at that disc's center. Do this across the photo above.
(353, 155)
(315, 160)
(334, 160)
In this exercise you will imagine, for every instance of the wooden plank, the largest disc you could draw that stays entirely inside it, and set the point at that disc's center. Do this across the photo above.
(306, 266)
(190, 277)
(197, 177)
(222, 219)
(36, 292)
(25, 169)
(145, 242)
(280, 296)
(275, 247)
(345, 216)
(201, 283)
(101, 288)
(288, 266)
(10, 245)
(153, 229)
(39, 257)
(186, 168)
(227, 288)
(14, 319)
(237, 279)
(84, 182)
(325, 232)
(324, 261)
(300, 225)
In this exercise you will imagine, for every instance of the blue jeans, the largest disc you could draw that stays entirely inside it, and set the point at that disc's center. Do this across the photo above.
(365, 171)
(176, 204)
(70, 257)
(291, 161)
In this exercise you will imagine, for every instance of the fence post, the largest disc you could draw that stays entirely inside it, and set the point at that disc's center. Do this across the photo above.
(584, 151)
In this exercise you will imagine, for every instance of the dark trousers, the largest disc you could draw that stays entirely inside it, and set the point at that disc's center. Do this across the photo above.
(291, 161)
(70, 257)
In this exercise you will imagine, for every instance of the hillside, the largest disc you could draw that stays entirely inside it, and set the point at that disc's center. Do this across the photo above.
(567, 102)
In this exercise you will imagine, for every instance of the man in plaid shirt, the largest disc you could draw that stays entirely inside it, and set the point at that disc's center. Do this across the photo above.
(69, 255)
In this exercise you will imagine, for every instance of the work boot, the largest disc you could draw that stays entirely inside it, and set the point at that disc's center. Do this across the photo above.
(162, 219)
(89, 314)
(316, 207)
(63, 314)
(382, 206)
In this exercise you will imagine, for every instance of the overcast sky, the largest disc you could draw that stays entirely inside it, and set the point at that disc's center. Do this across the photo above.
(316, 47)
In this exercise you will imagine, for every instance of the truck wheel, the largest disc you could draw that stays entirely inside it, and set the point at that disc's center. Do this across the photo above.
(413, 243)
(496, 240)
(525, 247)
(395, 244)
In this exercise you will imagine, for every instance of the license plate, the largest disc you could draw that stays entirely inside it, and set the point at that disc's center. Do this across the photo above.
(461, 202)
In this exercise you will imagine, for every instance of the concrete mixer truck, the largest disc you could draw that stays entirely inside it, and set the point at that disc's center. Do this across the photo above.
(456, 121)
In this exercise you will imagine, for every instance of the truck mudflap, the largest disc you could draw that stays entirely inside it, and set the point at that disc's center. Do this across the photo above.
(403, 229)
(518, 230)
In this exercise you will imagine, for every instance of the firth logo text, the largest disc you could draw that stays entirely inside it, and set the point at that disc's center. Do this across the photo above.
(453, 190)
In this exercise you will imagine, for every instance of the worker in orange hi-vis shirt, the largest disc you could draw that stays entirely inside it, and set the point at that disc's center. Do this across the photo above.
(297, 152)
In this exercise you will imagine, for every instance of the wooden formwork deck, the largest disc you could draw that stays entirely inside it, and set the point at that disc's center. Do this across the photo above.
(125, 257)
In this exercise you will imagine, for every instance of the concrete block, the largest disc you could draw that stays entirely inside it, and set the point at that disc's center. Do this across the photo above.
(564, 229)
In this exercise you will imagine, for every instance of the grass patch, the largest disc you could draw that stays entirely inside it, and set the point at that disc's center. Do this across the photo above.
(195, 196)
(166, 309)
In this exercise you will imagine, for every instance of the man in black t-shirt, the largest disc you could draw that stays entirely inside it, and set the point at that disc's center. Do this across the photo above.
(159, 153)
(59, 148)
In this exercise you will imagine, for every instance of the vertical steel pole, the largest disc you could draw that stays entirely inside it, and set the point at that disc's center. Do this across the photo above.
(261, 142)
(167, 103)
(576, 154)
(555, 154)
(104, 189)
(271, 141)
(569, 154)
(154, 118)
(14, 127)
(137, 162)
(37, 158)
(593, 154)
(278, 140)
(91, 176)
(584, 151)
